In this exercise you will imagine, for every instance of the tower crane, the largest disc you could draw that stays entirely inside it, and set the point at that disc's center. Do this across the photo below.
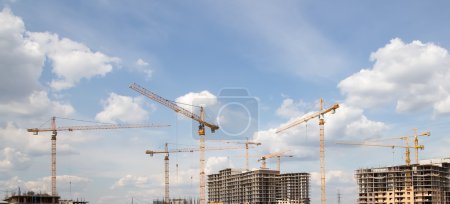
(416, 147)
(408, 182)
(416, 142)
(166, 151)
(320, 114)
(201, 129)
(247, 144)
(55, 131)
(279, 161)
(271, 155)
(406, 147)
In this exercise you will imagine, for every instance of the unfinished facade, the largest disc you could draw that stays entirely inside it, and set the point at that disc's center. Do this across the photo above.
(294, 188)
(423, 183)
(231, 186)
(32, 198)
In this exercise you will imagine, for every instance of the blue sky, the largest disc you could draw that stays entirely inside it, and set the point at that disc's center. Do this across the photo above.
(386, 63)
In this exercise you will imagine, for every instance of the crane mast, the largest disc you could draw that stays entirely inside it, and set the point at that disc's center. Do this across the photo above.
(166, 176)
(320, 115)
(407, 147)
(416, 142)
(247, 146)
(279, 161)
(408, 174)
(271, 155)
(201, 130)
(416, 146)
(166, 151)
(55, 131)
(247, 143)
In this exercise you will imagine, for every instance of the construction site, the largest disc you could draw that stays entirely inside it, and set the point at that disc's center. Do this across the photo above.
(427, 181)
(224, 102)
(258, 186)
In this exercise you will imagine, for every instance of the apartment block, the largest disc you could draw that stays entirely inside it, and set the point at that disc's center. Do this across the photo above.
(425, 183)
(231, 186)
(294, 188)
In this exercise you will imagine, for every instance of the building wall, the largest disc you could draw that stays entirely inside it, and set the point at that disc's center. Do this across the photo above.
(294, 188)
(260, 186)
(29, 199)
(427, 182)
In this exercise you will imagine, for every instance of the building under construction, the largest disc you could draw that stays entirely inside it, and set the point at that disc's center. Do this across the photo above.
(177, 201)
(260, 186)
(426, 182)
(32, 197)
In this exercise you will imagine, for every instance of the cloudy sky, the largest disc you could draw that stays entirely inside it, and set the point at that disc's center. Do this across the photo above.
(255, 65)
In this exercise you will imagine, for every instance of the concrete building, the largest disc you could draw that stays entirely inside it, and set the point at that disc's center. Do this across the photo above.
(178, 201)
(231, 186)
(294, 188)
(426, 182)
(73, 202)
(30, 198)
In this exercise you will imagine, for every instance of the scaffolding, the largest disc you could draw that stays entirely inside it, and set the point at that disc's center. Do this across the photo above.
(389, 185)
(231, 186)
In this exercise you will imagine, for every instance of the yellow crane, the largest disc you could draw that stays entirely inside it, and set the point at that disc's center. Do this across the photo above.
(201, 129)
(416, 147)
(55, 131)
(320, 114)
(166, 151)
(278, 154)
(408, 182)
(406, 147)
(247, 144)
(416, 142)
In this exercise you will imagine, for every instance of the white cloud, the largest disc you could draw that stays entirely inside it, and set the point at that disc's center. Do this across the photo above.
(22, 55)
(144, 67)
(13, 160)
(18, 139)
(203, 98)
(412, 76)
(347, 123)
(131, 180)
(118, 108)
(443, 106)
(44, 184)
(350, 123)
(37, 103)
(72, 61)
(20, 59)
(18, 145)
(214, 164)
(10, 184)
(333, 176)
(289, 108)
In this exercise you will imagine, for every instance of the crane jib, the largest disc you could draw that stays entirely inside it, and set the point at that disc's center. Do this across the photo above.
(172, 105)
